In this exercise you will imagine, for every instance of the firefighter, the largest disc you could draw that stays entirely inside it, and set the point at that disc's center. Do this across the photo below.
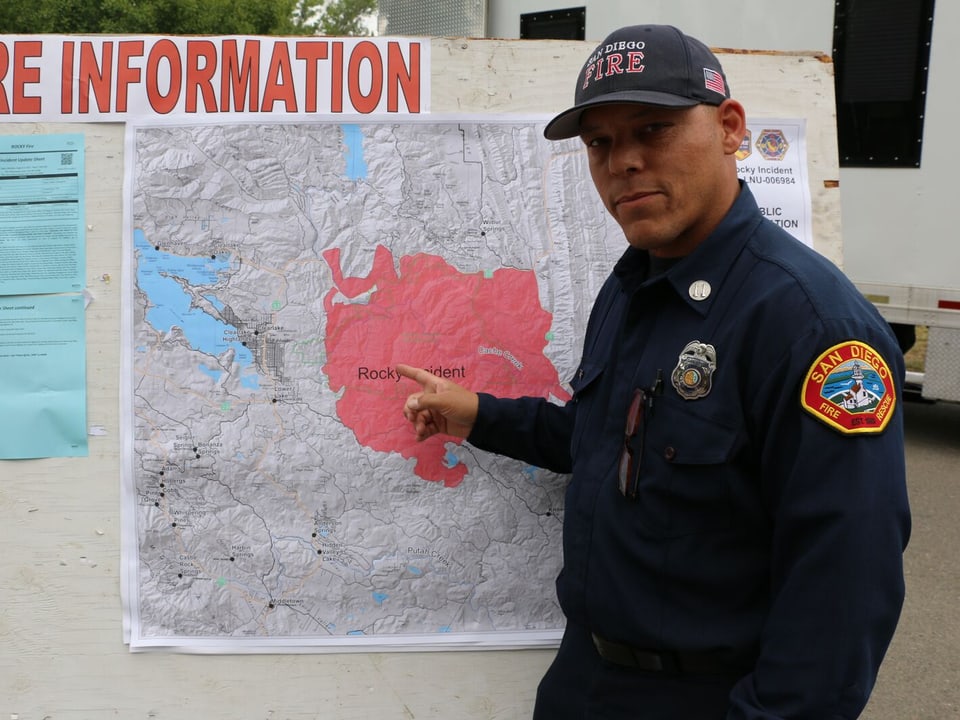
(734, 526)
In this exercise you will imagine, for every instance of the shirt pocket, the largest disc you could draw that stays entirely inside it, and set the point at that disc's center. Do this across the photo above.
(688, 471)
(585, 384)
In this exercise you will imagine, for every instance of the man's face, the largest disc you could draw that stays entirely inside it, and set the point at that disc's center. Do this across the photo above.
(668, 176)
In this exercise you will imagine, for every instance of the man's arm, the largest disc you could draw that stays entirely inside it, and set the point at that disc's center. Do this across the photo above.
(528, 429)
(840, 522)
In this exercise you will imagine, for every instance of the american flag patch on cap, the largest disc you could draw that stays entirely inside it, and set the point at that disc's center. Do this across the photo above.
(714, 81)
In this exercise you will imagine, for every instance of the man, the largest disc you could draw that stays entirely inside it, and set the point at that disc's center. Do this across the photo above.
(737, 512)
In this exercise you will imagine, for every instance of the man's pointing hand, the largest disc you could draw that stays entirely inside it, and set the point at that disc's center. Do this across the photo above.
(440, 407)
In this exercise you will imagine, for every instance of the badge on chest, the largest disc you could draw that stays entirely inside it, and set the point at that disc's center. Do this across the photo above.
(692, 378)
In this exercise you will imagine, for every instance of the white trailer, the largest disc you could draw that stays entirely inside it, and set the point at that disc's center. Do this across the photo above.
(900, 244)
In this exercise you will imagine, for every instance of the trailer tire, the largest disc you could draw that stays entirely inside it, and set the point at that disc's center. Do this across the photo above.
(906, 335)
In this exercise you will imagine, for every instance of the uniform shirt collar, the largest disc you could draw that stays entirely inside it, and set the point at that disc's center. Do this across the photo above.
(710, 262)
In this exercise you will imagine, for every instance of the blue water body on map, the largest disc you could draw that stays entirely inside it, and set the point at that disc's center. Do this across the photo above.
(379, 598)
(444, 629)
(209, 372)
(170, 304)
(356, 164)
(213, 300)
(450, 460)
(414, 570)
(356, 632)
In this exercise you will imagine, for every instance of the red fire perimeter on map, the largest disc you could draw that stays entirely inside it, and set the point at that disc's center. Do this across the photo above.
(481, 330)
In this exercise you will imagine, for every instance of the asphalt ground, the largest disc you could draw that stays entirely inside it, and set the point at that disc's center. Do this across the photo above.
(920, 676)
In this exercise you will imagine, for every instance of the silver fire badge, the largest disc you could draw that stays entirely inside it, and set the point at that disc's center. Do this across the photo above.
(693, 375)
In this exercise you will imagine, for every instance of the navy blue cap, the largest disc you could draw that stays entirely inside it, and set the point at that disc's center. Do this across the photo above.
(646, 64)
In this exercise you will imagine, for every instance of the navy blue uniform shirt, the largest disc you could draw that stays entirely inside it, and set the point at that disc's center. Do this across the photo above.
(761, 529)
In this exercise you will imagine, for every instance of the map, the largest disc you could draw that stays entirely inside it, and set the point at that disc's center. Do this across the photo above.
(275, 497)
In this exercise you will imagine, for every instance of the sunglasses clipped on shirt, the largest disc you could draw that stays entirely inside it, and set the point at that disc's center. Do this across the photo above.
(629, 469)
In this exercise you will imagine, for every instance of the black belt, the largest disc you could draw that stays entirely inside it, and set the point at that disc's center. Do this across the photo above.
(696, 663)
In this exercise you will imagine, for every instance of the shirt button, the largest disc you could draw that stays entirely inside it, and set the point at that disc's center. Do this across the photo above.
(670, 452)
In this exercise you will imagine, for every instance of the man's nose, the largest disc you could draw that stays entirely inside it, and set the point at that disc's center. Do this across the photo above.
(626, 157)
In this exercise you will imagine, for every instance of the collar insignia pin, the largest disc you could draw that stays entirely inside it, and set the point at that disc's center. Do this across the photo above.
(700, 290)
(693, 376)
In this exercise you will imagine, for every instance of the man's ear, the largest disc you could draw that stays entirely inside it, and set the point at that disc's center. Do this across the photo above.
(733, 123)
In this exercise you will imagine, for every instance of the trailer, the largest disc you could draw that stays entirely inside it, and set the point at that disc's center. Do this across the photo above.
(899, 242)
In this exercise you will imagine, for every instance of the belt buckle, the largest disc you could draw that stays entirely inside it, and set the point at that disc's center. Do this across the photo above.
(630, 657)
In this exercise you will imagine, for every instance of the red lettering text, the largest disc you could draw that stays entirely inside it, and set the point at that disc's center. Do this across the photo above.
(367, 52)
(200, 75)
(240, 80)
(336, 79)
(66, 78)
(127, 75)
(21, 75)
(311, 53)
(165, 51)
(279, 85)
(95, 76)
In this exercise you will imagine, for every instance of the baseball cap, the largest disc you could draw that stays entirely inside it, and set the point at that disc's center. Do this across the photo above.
(647, 64)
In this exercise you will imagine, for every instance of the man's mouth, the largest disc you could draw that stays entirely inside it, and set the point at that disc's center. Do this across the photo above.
(632, 198)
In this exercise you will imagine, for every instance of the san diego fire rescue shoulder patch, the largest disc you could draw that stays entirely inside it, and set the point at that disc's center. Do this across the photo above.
(850, 388)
